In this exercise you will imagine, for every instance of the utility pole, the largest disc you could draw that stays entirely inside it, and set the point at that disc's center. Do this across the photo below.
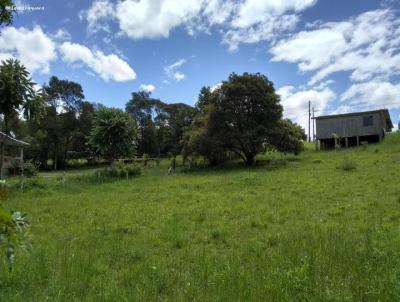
(313, 123)
(309, 121)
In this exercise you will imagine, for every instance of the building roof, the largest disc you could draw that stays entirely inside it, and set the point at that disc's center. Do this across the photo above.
(10, 141)
(385, 113)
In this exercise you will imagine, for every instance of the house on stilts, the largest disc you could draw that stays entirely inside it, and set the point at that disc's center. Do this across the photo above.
(351, 129)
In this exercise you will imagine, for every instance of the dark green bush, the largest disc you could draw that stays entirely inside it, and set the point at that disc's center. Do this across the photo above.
(30, 169)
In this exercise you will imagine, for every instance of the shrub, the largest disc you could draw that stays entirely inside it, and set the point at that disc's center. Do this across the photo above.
(145, 159)
(34, 182)
(13, 232)
(30, 169)
(3, 190)
(121, 170)
(348, 164)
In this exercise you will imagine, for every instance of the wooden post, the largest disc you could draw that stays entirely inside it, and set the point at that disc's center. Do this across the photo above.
(22, 167)
(346, 141)
(358, 140)
(1, 160)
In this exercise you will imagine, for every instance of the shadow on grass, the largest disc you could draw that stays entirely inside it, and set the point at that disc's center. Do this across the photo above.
(237, 165)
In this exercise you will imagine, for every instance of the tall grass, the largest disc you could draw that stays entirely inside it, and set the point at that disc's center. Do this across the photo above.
(304, 231)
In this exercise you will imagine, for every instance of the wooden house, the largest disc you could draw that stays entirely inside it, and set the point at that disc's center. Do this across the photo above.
(352, 128)
(11, 152)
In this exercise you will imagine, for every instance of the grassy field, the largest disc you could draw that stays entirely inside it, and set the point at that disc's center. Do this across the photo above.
(300, 229)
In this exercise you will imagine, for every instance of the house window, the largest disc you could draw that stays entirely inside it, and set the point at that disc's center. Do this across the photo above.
(368, 121)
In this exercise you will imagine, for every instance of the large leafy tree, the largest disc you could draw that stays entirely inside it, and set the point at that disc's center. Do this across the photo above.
(242, 116)
(160, 125)
(143, 109)
(288, 137)
(113, 134)
(7, 10)
(63, 99)
(204, 138)
(249, 111)
(64, 94)
(16, 89)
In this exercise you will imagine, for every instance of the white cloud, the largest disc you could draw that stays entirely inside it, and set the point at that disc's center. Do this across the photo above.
(295, 102)
(373, 95)
(61, 35)
(240, 21)
(154, 19)
(251, 12)
(108, 67)
(216, 86)
(33, 48)
(367, 46)
(266, 30)
(96, 15)
(147, 87)
(172, 71)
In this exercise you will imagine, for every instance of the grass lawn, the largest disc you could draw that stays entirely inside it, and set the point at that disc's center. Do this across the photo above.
(304, 231)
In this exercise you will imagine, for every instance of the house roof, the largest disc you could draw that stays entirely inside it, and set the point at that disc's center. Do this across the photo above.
(10, 141)
(385, 113)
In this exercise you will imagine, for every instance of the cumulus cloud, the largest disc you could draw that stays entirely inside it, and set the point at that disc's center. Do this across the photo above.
(147, 87)
(172, 71)
(108, 67)
(243, 21)
(366, 45)
(33, 48)
(373, 95)
(96, 15)
(295, 102)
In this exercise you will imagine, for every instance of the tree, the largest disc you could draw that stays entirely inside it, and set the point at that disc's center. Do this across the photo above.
(63, 93)
(179, 117)
(35, 107)
(242, 116)
(205, 99)
(63, 100)
(288, 137)
(204, 138)
(113, 134)
(7, 8)
(160, 125)
(16, 90)
(249, 111)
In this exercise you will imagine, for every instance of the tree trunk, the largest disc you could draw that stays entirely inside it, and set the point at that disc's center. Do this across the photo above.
(249, 160)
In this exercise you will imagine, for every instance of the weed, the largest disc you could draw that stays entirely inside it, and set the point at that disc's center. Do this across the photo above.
(348, 164)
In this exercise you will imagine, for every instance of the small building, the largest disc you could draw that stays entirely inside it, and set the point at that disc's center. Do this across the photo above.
(352, 128)
(11, 152)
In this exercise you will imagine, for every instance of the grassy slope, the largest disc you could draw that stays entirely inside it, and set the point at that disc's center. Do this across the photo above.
(307, 231)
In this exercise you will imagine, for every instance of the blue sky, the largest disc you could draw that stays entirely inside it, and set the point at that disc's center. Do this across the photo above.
(341, 55)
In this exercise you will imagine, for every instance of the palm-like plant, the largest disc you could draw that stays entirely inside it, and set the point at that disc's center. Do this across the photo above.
(16, 88)
(113, 133)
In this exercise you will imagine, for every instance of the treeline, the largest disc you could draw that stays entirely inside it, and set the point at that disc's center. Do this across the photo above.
(240, 119)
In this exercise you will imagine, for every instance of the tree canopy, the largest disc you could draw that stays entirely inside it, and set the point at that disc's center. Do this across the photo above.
(7, 9)
(113, 134)
(243, 115)
(16, 91)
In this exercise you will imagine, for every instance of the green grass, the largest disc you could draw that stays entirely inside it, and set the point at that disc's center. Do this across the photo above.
(306, 230)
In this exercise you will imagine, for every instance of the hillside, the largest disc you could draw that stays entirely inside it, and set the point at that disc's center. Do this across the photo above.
(323, 226)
